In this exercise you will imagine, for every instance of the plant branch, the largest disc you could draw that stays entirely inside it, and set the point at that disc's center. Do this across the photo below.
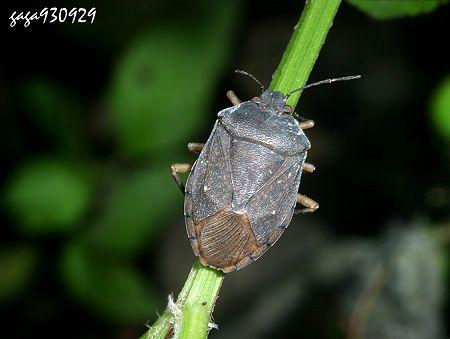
(190, 316)
(304, 47)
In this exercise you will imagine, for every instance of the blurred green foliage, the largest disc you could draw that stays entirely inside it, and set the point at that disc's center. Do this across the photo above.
(18, 265)
(113, 289)
(134, 212)
(56, 111)
(48, 196)
(440, 109)
(390, 9)
(156, 105)
(157, 97)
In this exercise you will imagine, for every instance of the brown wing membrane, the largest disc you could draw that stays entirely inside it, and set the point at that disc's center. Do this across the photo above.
(225, 239)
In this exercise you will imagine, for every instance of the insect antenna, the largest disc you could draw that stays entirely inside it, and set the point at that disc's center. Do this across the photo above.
(327, 81)
(250, 76)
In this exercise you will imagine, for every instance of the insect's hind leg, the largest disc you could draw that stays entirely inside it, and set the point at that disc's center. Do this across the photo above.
(177, 169)
(307, 167)
(233, 98)
(310, 205)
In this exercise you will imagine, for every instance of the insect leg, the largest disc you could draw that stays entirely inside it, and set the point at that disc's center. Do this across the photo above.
(304, 123)
(179, 168)
(195, 147)
(307, 167)
(233, 98)
(310, 204)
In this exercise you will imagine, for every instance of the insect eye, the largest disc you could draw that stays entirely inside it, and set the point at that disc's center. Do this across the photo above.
(256, 100)
(288, 109)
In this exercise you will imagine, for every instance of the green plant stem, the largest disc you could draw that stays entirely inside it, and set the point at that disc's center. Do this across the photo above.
(195, 303)
(198, 296)
(304, 47)
(200, 302)
(160, 327)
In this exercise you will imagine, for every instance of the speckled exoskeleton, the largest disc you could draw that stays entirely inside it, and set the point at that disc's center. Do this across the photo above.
(242, 191)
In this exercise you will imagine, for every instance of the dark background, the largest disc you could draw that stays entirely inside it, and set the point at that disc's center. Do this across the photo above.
(92, 115)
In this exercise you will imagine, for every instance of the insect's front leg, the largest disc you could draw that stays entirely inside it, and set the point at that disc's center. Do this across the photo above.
(177, 169)
(309, 204)
(233, 98)
(304, 123)
(195, 147)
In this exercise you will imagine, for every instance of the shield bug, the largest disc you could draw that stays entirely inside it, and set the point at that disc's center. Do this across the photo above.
(242, 191)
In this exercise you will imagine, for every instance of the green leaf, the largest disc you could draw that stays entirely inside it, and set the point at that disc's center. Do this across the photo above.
(136, 211)
(390, 9)
(56, 112)
(163, 84)
(17, 267)
(440, 109)
(48, 196)
(112, 290)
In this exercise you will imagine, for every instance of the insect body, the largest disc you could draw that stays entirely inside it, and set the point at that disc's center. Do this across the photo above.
(242, 191)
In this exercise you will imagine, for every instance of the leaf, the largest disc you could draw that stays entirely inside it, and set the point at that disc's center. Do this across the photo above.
(135, 211)
(48, 196)
(56, 112)
(162, 87)
(17, 267)
(390, 9)
(112, 290)
(440, 109)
